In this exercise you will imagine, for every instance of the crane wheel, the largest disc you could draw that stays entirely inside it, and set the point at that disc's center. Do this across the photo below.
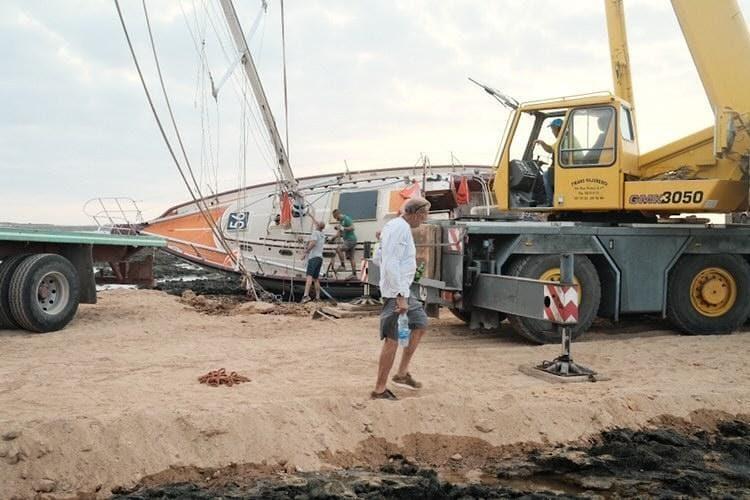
(44, 293)
(7, 268)
(547, 267)
(708, 294)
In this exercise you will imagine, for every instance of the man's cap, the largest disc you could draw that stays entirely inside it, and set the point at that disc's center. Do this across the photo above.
(557, 122)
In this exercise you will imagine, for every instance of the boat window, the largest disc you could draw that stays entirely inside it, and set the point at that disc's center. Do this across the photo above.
(359, 205)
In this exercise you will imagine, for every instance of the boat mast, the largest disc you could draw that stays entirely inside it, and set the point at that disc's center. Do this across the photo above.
(286, 176)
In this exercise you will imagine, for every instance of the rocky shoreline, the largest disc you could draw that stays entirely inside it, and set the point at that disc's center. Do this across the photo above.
(676, 459)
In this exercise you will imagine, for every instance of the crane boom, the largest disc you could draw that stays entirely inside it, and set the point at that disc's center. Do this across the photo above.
(720, 46)
(618, 50)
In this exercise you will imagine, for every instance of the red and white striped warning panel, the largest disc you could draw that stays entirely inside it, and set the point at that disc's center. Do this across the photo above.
(455, 242)
(561, 304)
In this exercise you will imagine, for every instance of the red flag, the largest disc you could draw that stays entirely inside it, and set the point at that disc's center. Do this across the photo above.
(462, 195)
(286, 209)
(410, 191)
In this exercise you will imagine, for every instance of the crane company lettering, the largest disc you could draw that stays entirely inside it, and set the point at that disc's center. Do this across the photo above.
(589, 188)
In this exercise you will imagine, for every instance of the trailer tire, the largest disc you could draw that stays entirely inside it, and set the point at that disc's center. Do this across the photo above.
(7, 268)
(44, 293)
(535, 267)
(707, 294)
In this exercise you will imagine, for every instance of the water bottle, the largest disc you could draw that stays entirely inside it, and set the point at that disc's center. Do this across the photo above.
(403, 330)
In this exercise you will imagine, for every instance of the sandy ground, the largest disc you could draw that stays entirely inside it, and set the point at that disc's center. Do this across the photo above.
(115, 395)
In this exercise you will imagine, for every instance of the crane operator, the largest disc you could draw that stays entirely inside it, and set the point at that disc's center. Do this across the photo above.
(548, 176)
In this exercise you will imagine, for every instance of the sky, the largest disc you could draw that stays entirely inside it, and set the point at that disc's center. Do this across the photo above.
(373, 83)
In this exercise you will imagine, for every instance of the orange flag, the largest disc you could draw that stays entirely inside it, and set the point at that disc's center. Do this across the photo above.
(410, 191)
(462, 195)
(286, 209)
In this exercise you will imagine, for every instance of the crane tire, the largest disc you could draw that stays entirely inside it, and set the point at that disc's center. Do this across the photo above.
(535, 267)
(7, 268)
(707, 294)
(44, 293)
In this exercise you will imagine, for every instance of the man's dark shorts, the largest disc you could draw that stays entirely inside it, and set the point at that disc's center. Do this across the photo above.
(389, 317)
(348, 247)
(313, 267)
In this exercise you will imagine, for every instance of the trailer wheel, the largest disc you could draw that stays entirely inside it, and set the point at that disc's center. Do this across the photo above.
(708, 294)
(547, 267)
(7, 267)
(44, 293)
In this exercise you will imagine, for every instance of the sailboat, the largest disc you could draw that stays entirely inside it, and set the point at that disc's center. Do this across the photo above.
(260, 230)
(250, 218)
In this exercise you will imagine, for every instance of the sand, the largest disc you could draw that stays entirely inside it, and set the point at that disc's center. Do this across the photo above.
(115, 396)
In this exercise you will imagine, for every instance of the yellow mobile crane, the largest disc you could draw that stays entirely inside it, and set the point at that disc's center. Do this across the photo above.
(596, 166)
(609, 205)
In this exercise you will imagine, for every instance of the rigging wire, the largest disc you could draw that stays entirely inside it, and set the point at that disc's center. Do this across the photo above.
(266, 153)
(283, 59)
(258, 121)
(208, 218)
(201, 199)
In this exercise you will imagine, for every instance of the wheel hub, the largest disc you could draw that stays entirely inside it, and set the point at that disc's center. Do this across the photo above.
(713, 292)
(53, 292)
(554, 274)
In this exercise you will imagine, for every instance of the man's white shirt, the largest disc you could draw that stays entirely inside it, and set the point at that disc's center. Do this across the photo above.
(397, 258)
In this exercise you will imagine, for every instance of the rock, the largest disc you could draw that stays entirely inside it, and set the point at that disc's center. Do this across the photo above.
(44, 485)
(15, 457)
(484, 427)
(410, 460)
(457, 457)
(359, 405)
(256, 308)
(11, 435)
(368, 428)
(188, 295)
(596, 483)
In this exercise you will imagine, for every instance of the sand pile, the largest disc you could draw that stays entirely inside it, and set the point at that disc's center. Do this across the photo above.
(115, 396)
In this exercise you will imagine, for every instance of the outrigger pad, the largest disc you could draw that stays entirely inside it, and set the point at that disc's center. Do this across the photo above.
(553, 371)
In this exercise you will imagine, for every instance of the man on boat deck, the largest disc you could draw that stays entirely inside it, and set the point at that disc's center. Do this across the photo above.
(398, 265)
(314, 256)
(348, 241)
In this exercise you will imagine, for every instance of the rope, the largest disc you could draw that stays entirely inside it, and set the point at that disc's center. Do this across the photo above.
(206, 216)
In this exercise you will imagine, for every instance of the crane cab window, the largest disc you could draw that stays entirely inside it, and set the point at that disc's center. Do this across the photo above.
(589, 138)
(626, 124)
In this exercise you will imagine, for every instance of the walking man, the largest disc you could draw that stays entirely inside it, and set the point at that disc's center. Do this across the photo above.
(348, 240)
(398, 265)
(314, 256)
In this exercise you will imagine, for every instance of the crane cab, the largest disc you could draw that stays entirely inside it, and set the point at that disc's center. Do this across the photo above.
(567, 154)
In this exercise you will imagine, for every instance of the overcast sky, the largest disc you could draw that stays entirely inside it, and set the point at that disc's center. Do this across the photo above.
(374, 83)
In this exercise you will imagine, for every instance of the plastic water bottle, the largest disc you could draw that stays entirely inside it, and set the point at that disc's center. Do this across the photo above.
(403, 330)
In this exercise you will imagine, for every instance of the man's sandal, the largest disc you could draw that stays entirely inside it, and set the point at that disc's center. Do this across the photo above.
(386, 394)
